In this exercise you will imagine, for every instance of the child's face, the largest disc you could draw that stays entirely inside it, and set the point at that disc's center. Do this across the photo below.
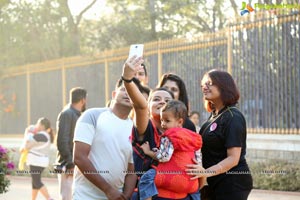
(168, 120)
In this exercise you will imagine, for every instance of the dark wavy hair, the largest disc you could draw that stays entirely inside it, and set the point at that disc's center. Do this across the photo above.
(142, 88)
(47, 124)
(160, 89)
(183, 96)
(227, 87)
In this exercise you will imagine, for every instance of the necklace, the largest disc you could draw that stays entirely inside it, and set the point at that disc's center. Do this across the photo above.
(215, 114)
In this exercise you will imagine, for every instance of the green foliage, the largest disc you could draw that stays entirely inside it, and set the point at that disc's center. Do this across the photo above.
(276, 175)
(36, 31)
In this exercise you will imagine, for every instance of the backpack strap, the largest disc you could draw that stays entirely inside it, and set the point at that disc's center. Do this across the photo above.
(156, 134)
(136, 146)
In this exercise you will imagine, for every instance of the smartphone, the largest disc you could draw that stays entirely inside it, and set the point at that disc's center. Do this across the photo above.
(136, 49)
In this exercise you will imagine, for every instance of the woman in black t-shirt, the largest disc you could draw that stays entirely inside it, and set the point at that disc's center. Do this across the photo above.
(224, 140)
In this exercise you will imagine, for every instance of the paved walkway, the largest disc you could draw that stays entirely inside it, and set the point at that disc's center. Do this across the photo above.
(20, 189)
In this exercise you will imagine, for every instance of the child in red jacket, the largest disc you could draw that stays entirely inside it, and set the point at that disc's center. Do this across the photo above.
(178, 147)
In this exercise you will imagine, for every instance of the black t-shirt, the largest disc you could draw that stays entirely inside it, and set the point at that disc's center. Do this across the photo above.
(220, 132)
(40, 137)
(143, 162)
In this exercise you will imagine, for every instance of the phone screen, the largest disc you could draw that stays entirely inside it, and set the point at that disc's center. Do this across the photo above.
(136, 49)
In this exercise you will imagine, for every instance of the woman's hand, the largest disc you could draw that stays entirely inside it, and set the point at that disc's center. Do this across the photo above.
(195, 170)
(131, 66)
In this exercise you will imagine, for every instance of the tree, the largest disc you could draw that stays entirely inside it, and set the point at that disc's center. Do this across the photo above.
(134, 21)
(35, 31)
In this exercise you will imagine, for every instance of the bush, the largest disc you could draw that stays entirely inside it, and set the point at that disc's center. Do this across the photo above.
(6, 166)
(276, 175)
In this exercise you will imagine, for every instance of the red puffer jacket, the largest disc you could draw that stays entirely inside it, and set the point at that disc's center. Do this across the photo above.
(171, 179)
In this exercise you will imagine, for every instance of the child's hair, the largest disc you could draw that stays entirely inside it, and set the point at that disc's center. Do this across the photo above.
(177, 108)
(46, 123)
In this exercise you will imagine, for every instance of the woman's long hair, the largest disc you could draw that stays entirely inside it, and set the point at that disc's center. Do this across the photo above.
(183, 96)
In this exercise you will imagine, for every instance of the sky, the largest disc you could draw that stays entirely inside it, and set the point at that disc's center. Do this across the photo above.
(76, 6)
(99, 9)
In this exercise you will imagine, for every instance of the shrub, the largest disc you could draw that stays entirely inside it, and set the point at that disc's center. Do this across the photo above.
(276, 175)
(5, 168)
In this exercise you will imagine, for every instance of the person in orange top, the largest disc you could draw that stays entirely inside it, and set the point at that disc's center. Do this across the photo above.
(178, 146)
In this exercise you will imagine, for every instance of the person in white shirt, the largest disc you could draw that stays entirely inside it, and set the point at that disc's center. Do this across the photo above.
(103, 151)
(38, 147)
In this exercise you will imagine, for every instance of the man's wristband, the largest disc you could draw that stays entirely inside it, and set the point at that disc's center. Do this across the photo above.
(126, 80)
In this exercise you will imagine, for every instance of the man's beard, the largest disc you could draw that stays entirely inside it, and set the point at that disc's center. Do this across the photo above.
(83, 108)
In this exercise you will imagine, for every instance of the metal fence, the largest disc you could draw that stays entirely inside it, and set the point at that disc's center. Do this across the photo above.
(261, 51)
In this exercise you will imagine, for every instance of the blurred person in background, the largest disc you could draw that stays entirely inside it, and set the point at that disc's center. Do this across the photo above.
(65, 127)
(37, 140)
(195, 118)
(142, 75)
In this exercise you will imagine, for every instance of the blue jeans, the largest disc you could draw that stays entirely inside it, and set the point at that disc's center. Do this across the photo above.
(195, 196)
(147, 186)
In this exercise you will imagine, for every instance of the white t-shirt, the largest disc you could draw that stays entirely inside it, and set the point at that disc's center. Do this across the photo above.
(38, 154)
(111, 150)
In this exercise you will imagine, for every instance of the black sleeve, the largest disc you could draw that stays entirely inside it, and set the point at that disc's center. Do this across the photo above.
(235, 132)
(64, 136)
(188, 124)
(40, 137)
(148, 135)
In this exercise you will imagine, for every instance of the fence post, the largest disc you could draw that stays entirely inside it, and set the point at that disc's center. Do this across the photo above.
(28, 95)
(229, 50)
(107, 95)
(159, 61)
(63, 80)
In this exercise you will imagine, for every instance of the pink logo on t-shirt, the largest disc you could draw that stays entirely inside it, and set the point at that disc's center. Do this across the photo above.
(213, 126)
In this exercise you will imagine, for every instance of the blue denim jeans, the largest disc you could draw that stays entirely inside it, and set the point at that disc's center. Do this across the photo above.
(195, 196)
(147, 186)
